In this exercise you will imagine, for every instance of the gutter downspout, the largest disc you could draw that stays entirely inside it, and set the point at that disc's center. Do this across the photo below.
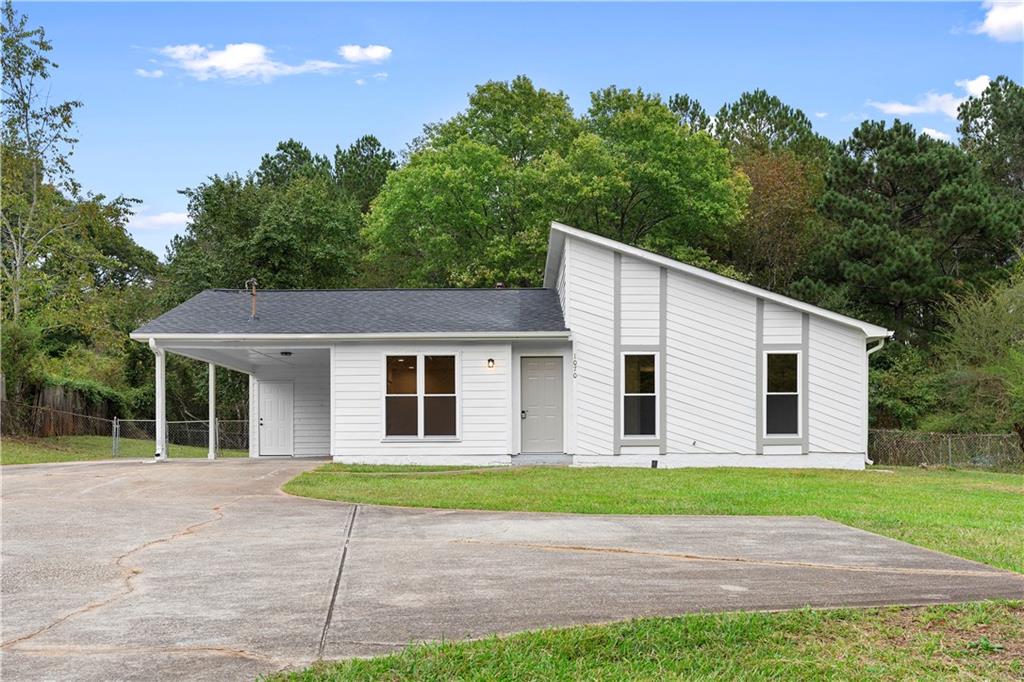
(877, 347)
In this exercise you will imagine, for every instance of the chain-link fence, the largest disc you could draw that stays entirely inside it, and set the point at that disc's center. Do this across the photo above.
(965, 450)
(42, 428)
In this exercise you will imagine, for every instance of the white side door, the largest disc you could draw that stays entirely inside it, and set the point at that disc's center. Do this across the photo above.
(541, 398)
(275, 418)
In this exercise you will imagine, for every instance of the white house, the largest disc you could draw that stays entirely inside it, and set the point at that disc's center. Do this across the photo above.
(624, 358)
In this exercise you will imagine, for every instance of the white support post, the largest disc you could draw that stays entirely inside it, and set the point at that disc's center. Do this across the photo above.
(212, 452)
(161, 403)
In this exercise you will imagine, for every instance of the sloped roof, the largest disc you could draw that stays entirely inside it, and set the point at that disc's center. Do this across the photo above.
(556, 242)
(362, 311)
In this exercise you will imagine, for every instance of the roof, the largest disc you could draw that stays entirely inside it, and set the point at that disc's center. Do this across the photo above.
(556, 242)
(366, 312)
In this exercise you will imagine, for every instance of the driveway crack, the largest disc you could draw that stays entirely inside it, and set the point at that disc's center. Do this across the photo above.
(128, 574)
(337, 582)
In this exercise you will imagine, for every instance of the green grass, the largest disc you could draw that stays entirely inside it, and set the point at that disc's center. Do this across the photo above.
(83, 448)
(967, 641)
(973, 514)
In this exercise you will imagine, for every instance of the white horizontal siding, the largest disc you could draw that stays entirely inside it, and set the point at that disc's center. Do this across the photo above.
(590, 284)
(710, 367)
(837, 388)
(639, 321)
(484, 401)
(781, 324)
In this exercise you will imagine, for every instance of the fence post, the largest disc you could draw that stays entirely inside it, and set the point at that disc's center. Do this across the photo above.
(115, 435)
(949, 448)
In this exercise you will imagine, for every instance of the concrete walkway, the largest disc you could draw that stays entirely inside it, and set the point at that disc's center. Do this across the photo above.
(205, 570)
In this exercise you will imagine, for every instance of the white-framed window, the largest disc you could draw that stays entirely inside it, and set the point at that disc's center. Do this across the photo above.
(640, 395)
(420, 396)
(782, 393)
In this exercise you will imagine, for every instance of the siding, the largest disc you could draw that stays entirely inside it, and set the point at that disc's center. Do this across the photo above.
(484, 400)
(590, 284)
(560, 287)
(640, 315)
(311, 406)
(711, 333)
(837, 388)
(781, 324)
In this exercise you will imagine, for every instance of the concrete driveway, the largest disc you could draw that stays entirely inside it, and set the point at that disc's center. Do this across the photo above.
(205, 570)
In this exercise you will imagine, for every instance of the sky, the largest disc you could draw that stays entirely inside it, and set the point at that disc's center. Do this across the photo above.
(175, 93)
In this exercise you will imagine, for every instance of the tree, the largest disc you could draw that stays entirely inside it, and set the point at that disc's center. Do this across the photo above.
(992, 131)
(637, 175)
(362, 169)
(461, 215)
(518, 119)
(690, 113)
(782, 224)
(37, 145)
(290, 159)
(758, 122)
(914, 222)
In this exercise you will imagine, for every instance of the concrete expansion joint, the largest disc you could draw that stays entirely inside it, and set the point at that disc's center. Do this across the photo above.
(683, 556)
(337, 582)
(128, 574)
(231, 652)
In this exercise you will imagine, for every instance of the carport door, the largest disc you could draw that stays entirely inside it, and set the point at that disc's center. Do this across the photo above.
(276, 417)
(542, 405)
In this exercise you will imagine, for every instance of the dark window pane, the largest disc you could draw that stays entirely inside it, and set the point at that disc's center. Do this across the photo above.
(639, 415)
(782, 414)
(639, 374)
(782, 373)
(401, 374)
(439, 374)
(439, 416)
(401, 417)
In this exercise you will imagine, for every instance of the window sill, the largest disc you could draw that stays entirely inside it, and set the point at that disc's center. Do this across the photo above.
(425, 439)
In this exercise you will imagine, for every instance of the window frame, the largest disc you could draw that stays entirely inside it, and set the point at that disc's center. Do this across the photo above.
(420, 394)
(798, 393)
(656, 395)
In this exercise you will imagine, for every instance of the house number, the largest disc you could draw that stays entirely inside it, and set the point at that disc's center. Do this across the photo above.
(574, 365)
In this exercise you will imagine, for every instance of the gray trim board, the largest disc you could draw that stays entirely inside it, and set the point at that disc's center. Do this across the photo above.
(805, 384)
(616, 352)
(759, 377)
(663, 359)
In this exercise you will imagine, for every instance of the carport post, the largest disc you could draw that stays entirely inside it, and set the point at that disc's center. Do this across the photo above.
(212, 451)
(161, 402)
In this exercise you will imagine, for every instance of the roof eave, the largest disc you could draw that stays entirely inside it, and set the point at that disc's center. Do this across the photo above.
(374, 336)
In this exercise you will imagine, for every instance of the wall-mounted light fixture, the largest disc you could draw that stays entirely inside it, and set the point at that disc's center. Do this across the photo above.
(490, 363)
(286, 353)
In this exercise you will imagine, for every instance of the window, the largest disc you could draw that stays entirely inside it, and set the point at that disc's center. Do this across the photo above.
(639, 395)
(782, 394)
(420, 399)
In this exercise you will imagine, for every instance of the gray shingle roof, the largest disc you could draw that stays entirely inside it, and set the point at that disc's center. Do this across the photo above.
(363, 311)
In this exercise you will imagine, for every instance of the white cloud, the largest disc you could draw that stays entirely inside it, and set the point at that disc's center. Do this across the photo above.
(936, 134)
(367, 53)
(360, 81)
(820, 114)
(1004, 21)
(974, 86)
(381, 75)
(933, 102)
(239, 60)
(157, 221)
(155, 73)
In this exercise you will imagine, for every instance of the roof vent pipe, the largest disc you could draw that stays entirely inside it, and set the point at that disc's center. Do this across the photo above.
(250, 284)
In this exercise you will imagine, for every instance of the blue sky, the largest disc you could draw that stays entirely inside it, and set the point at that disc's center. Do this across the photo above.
(167, 103)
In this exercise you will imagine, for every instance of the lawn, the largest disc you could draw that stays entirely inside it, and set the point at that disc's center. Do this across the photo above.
(82, 448)
(965, 641)
(973, 514)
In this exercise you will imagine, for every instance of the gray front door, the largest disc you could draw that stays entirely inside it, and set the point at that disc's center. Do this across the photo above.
(542, 405)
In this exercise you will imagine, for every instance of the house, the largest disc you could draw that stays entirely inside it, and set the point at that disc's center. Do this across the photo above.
(623, 358)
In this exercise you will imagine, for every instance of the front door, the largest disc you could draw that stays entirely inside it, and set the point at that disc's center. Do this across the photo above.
(542, 405)
(275, 417)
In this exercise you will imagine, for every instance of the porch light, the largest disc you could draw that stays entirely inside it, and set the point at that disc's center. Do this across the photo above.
(490, 363)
